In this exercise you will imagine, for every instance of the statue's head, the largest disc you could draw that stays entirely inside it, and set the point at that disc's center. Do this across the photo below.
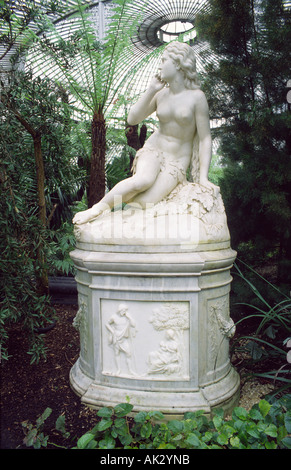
(183, 56)
(122, 309)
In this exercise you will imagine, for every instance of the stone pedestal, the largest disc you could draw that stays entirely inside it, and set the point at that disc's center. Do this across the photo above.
(154, 313)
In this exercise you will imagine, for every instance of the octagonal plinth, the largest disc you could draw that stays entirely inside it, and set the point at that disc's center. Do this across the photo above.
(153, 290)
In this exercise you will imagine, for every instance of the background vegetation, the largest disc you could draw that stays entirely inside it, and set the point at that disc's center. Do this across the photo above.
(246, 89)
(47, 157)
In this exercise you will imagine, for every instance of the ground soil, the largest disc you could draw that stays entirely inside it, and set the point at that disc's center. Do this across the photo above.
(28, 389)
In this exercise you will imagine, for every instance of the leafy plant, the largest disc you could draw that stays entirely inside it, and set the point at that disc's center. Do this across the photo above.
(34, 433)
(30, 243)
(245, 83)
(266, 426)
(34, 436)
(92, 69)
(62, 243)
(272, 329)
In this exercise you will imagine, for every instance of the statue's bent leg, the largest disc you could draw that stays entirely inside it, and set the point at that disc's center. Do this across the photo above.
(147, 169)
(162, 187)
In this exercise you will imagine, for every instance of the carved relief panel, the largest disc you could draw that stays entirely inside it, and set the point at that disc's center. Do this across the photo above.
(80, 322)
(220, 329)
(145, 340)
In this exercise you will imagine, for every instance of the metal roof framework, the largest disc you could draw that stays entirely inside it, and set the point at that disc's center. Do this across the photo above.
(141, 63)
(148, 36)
(154, 19)
(155, 16)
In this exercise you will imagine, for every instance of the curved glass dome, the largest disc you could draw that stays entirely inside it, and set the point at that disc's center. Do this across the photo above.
(159, 22)
(173, 29)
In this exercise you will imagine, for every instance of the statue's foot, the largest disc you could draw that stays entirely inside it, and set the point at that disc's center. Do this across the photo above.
(85, 216)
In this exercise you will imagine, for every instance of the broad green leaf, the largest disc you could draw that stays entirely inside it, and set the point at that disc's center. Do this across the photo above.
(107, 443)
(222, 439)
(235, 442)
(271, 430)
(120, 423)
(123, 409)
(255, 414)
(192, 440)
(47, 412)
(287, 421)
(125, 440)
(146, 430)
(207, 436)
(105, 412)
(156, 415)
(31, 437)
(140, 417)
(84, 440)
(92, 444)
(178, 437)
(286, 442)
(176, 426)
(282, 432)
(193, 414)
(60, 423)
(122, 430)
(271, 445)
(264, 407)
(104, 424)
(241, 413)
(252, 430)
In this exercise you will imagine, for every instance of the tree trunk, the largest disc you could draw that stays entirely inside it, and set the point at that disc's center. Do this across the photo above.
(40, 178)
(97, 170)
(42, 278)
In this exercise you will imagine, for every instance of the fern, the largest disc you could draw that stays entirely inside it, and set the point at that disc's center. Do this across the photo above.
(94, 70)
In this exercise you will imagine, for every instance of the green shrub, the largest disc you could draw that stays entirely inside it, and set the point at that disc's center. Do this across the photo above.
(269, 328)
(266, 426)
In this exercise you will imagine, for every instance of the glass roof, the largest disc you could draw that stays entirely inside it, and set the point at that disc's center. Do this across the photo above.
(159, 22)
(173, 29)
(155, 26)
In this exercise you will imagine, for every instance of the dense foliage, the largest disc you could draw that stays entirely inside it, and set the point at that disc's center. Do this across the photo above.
(246, 88)
(266, 426)
(91, 67)
(44, 155)
(32, 213)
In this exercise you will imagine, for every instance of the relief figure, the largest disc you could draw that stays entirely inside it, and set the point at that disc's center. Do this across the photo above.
(167, 360)
(122, 329)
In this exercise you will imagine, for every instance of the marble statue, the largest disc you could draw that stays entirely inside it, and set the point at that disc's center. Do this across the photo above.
(182, 141)
(154, 278)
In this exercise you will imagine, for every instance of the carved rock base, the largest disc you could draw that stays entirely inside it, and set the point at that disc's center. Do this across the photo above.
(154, 327)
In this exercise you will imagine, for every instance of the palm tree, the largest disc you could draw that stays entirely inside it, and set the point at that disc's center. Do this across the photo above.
(93, 69)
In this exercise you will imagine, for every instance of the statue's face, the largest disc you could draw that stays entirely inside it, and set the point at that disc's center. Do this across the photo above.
(168, 68)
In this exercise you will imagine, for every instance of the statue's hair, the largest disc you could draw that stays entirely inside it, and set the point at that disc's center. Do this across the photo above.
(184, 57)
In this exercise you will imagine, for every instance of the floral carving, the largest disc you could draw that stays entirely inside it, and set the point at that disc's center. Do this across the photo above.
(226, 325)
(80, 322)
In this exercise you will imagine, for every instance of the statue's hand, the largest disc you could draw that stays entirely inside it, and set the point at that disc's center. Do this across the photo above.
(207, 184)
(157, 83)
